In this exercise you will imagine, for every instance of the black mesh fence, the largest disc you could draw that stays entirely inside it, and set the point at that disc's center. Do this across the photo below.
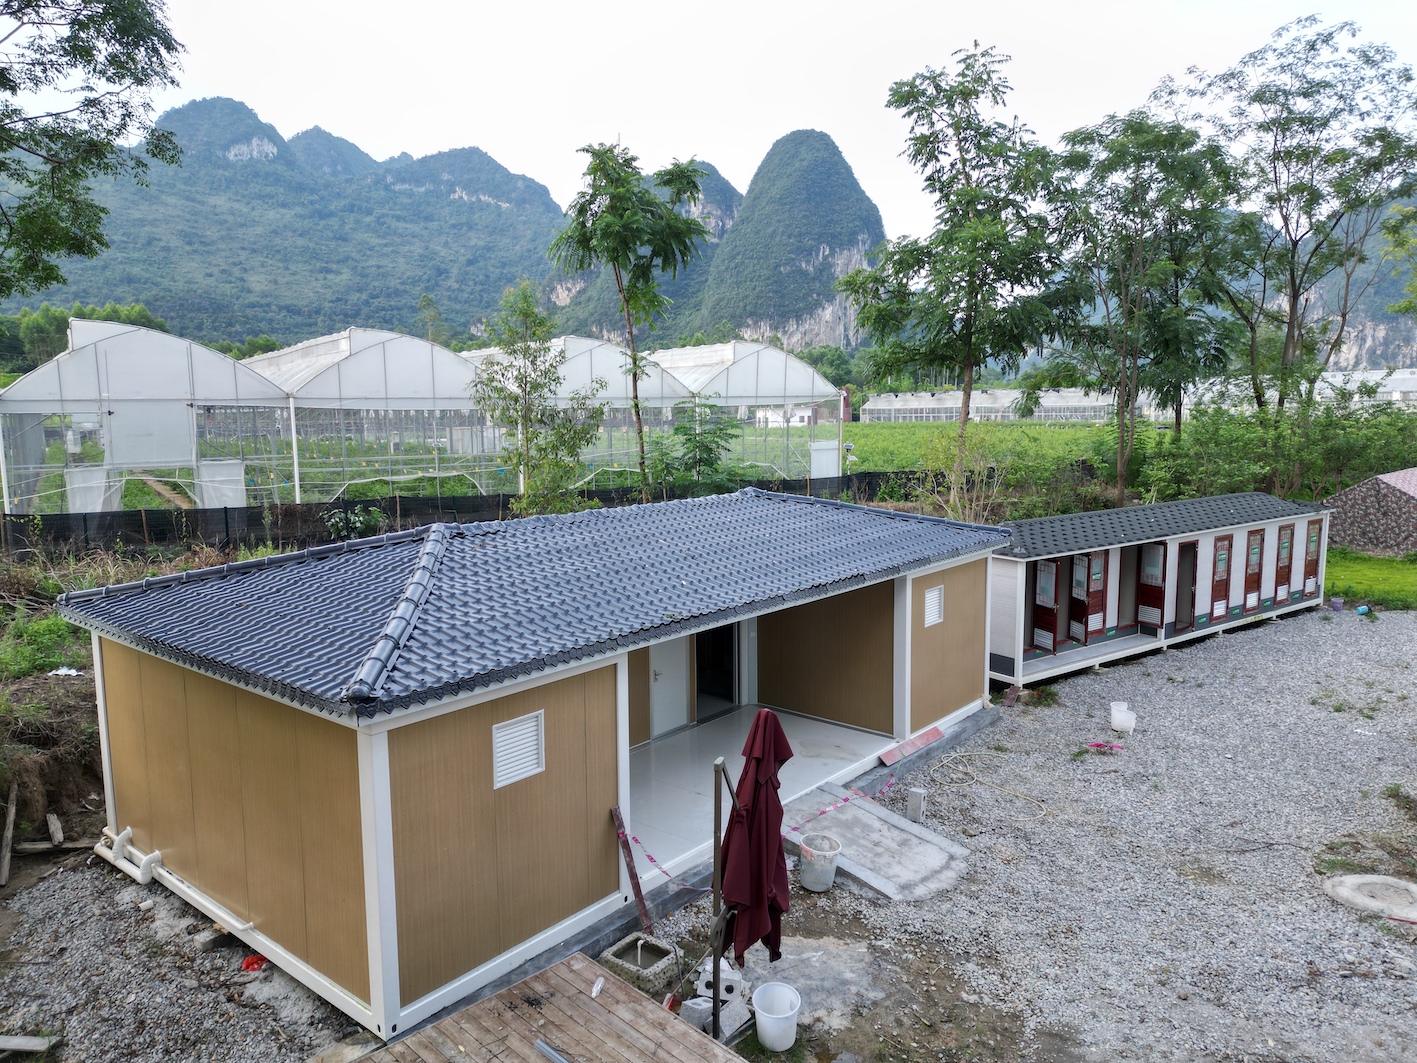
(294, 527)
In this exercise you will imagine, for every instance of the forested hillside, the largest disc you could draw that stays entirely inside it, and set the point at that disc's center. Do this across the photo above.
(256, 234)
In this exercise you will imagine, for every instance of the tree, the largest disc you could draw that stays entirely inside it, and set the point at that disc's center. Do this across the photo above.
(1144, 199)
(972, 290)
(638, 228)
(430, 321)
(692, 456)
(76, 85)
(1326, 137)
(1400, 229)
(519, 388)
(45, 332)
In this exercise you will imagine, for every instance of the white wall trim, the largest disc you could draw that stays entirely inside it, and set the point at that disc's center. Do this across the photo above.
(459, 988)
(105, 748)
(622, 759)
(900, 666)
(988, 620)
(380, 900)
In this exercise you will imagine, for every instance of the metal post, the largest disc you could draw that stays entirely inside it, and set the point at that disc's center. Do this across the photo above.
(717, 889)
(4, 472)
(295, 450)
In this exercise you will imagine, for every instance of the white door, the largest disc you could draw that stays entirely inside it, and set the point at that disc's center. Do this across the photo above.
(668, 686)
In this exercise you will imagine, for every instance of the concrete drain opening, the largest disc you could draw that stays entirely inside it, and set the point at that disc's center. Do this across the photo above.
(1375, 893)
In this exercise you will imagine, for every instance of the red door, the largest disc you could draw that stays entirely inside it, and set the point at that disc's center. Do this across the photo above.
(1220, 581)
(1088, 616)
(1045, 607)
(1254, 563)
(1151, 588)
(1284, 565)
(1311, 558)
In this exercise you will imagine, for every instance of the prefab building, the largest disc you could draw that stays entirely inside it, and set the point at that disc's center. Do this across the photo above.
(1075, 590)
(389, 765)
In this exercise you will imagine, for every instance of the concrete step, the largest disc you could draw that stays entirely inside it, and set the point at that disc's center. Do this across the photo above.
(881, 850)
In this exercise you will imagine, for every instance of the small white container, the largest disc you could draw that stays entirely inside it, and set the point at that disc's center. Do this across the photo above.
(776, 1005)
(1124, 719)
(817, 869)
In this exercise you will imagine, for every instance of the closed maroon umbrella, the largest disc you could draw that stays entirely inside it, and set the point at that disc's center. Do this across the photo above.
(755, 887)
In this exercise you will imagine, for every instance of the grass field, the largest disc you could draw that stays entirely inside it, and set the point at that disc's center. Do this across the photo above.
(1390, 582)
(903, 445)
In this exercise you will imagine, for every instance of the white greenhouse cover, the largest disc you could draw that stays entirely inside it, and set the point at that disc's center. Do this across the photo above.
(746, 374)
(589, 359)
(370, 369)
(142, 386)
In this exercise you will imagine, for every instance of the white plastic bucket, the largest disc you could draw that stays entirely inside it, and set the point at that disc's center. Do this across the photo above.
(816, 870)
(1123, 718)
(776, 1005)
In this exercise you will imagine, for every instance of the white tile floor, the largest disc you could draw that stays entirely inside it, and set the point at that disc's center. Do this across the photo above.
(671, 778)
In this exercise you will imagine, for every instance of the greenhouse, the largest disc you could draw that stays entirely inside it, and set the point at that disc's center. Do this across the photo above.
(1001, 404)
(132, 418)
(371, 408)
(128, 416)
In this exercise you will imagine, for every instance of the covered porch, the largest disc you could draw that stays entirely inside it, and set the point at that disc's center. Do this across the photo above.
(671, 778)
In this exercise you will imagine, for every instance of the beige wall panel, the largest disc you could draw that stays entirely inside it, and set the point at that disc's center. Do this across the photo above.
(214, 745)
(602, 782)
(445, 848)
(169, 764)
(332, 847)
(478, 871)
(270, 803)
(947, 659)
(127, 743)
(832, 658)
(639, 696)
(543, 873)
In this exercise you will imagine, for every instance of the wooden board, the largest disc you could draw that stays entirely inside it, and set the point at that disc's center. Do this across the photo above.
(555, 1006)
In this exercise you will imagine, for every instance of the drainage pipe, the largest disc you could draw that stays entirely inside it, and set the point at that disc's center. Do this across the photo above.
(121, 855)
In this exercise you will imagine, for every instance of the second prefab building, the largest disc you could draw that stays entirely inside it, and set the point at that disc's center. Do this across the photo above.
(1079, 589)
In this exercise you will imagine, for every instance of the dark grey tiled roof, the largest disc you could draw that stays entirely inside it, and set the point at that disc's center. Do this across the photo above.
(1074, 533)
(404, 619)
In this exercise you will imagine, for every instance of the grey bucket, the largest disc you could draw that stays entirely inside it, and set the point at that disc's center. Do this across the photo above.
(816, 869)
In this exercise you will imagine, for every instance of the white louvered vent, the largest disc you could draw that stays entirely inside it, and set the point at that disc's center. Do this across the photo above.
(934, 606)
(518, 749)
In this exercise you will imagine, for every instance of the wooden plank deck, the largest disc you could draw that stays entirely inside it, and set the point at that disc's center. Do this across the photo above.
(555, 1006)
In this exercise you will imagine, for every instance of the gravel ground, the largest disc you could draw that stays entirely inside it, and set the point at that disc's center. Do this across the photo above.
(1167, 905)
(121, 983)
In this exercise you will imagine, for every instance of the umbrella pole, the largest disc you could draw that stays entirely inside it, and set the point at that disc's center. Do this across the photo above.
(717, 889)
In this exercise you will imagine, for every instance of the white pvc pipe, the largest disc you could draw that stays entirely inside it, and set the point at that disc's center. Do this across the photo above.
(118, 853)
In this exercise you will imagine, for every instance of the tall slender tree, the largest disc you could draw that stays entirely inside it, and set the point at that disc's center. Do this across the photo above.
(1326, 135)
(638, 228)
(973, 291)
(520, 388)
(1145, 197)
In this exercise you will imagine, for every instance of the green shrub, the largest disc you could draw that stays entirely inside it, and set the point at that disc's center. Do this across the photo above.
(32, 646)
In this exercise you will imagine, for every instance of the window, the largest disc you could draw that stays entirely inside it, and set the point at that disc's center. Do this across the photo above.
(934, 606)
(518, 749)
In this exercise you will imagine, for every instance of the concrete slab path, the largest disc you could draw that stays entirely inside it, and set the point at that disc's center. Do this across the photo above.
(903, 861)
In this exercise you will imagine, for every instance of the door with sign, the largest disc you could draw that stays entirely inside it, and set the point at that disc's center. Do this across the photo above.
(1311, 558)
(1284, 565)
(1254, 565)
(1045, 607)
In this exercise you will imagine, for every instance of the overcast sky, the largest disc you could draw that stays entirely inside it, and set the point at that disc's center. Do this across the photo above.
(530, 82)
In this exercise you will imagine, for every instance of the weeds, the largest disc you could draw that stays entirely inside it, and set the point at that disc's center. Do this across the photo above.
(1043, 696)
(1405, 802)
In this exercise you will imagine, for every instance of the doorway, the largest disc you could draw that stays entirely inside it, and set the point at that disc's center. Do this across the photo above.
(1254, 562)
(716, 670)
(1151, 588)
(1186, 586)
